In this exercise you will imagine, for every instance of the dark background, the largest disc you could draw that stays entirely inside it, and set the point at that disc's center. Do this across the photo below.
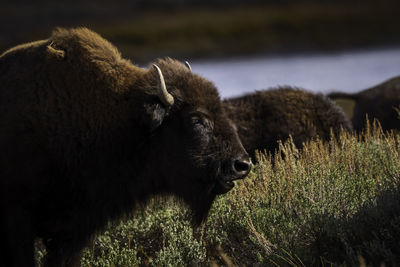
(145, 29)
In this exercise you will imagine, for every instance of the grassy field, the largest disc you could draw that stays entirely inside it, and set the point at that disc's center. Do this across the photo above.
(335, 203)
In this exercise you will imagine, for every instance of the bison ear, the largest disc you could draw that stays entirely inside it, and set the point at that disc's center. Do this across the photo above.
(155, 114)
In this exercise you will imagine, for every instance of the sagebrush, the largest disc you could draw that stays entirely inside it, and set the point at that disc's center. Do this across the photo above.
(331, 203)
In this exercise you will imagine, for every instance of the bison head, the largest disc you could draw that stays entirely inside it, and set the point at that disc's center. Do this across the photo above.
(194, 145)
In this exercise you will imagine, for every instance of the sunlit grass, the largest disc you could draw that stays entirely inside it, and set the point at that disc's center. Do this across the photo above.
(335, 202)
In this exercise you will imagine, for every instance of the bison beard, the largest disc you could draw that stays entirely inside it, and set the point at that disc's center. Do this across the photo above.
(86, 136)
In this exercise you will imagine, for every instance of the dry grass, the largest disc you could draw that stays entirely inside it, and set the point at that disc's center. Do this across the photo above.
(335, 203)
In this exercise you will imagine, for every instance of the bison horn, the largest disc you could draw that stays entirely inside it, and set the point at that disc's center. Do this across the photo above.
(188, 65)
(165, 97)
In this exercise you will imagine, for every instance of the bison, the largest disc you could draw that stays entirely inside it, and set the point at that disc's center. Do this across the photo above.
(380, 102)
(86, 136)
(264, 117)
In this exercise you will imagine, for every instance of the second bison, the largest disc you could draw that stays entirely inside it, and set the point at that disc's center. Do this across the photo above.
(264, 117)
(381, 102)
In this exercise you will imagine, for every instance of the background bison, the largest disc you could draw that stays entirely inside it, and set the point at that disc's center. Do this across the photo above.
(379, 102)
(264, 117)
(86, 135)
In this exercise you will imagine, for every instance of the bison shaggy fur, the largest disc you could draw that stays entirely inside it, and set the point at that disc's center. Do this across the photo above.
(265, 117)
(85, 137)
(380, 102)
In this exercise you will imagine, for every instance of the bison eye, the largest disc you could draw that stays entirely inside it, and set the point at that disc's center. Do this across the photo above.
(201, 122)
(196, 120)
(199, 119)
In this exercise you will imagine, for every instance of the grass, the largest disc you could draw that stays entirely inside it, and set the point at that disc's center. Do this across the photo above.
(335, 203)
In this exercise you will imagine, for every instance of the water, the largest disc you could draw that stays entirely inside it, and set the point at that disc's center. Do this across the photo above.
(349, 71)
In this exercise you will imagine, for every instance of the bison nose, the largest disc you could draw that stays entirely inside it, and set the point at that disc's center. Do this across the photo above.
(241, 166)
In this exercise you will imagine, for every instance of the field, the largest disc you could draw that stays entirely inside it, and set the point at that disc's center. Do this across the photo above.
(329, 204)
(335, 203)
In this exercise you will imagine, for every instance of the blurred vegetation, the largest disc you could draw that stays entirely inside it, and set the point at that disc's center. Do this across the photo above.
(334, 203)
(144, 30)
(347, 105)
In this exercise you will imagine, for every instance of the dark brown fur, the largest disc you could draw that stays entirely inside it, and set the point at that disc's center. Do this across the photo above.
(264, 117)
(379, 102)
(84, 138)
